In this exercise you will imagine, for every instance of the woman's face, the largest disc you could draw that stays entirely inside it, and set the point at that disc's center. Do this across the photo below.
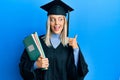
(57, 23)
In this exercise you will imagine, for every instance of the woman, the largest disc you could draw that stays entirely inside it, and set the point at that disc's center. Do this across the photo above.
(64, 60)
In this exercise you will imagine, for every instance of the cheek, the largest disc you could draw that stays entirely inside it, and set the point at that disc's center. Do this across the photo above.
(62, 25)
(51, 28)
(52, 25)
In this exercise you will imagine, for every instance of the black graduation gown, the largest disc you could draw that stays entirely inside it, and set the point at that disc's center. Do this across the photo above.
(61, 65)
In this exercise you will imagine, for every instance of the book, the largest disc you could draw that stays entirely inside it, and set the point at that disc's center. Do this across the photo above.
(33, 46)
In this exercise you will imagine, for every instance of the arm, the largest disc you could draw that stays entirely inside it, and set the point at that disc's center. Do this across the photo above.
(80, 63)
(82, 67)
(76, 53)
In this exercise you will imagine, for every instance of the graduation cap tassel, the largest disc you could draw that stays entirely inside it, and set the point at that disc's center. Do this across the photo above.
(68, 23)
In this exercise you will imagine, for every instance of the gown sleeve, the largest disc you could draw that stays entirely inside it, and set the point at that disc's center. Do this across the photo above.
(82, 67)
(79, 72)
(26, 67)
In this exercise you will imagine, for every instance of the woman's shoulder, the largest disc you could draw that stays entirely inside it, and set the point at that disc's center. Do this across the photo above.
(42, 37)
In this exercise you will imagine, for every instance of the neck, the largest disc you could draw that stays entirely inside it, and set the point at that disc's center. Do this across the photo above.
(55, 35)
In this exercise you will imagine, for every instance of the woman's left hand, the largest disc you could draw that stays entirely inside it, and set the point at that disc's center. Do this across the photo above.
(73, 42)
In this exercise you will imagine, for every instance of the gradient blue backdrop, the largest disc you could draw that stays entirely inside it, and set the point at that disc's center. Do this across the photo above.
(97, 23)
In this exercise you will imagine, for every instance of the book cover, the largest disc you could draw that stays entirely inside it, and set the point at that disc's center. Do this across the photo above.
(33, 46)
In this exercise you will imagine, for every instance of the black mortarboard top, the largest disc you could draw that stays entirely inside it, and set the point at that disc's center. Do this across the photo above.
(57, 7)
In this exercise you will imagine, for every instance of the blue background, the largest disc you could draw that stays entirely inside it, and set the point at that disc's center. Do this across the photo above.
(97, 23)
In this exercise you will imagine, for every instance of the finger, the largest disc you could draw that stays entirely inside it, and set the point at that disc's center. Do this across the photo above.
(75, 36)
(70, 39)
(45, 59)
(45, 65)
(39, 58)
(45, 62)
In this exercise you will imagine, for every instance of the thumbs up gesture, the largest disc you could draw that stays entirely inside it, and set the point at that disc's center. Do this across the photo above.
(73, 42)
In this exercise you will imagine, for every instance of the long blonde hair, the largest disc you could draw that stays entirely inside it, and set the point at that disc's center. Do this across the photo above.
(63, 35)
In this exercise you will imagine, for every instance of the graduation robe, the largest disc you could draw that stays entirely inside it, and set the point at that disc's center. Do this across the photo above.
(61, 65)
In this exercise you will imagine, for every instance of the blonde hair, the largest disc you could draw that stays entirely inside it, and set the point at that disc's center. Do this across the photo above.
(63, 35)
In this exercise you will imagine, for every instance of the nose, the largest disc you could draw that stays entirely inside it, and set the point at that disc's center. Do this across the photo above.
(56, 22)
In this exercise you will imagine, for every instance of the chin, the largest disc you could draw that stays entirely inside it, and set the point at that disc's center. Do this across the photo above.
(57, 32)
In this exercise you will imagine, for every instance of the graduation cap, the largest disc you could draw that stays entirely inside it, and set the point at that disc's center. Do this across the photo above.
(57, 7)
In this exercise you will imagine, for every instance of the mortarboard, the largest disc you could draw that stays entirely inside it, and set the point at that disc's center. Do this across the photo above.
(57, 7)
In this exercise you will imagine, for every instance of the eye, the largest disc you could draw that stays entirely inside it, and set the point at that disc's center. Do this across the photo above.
(52, 19)
(60, 19)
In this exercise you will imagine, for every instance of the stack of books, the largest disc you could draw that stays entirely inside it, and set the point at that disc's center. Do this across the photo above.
(33, 46)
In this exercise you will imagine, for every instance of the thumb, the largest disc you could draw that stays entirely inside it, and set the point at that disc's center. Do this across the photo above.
(41, 57)
(75, 37)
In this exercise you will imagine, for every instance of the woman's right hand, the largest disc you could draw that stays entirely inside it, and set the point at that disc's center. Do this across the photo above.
(42, 62)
